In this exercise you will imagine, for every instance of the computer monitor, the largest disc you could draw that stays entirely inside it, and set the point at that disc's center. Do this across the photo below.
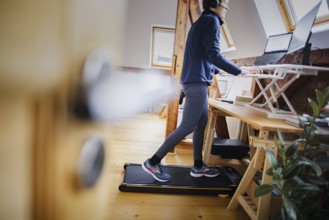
(302, 33)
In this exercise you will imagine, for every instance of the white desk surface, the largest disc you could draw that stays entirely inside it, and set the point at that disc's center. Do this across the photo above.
(292, 67)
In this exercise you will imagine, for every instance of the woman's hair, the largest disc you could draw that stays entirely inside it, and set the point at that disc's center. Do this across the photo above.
(207, 4)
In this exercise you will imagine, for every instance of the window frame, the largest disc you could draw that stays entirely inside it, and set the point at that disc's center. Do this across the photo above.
(228, 38)
(287, 13)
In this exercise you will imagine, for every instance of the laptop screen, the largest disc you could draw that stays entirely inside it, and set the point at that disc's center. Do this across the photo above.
(278, 43)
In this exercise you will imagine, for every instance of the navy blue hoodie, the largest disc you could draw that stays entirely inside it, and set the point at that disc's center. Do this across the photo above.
(202, 52)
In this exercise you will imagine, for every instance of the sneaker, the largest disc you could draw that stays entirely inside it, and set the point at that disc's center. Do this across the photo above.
(204, 171)
(157, 171)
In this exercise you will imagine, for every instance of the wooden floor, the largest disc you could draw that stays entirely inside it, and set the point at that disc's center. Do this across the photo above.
(134, 140)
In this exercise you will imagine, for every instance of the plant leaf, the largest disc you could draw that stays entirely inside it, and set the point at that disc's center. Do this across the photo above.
(281, 138)
(263, 189)
(289, 208)
(269, 171)
(314, 107)
(291, 168)
(290, 184)
(326, 93)
(323, 161)
(272, 158)
(291, 150)
(319, 98)
(316, 168)
(317, 180)
(277, 174)
(307, 187)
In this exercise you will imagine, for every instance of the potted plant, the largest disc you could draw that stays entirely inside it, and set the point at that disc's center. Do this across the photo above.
(301, 176)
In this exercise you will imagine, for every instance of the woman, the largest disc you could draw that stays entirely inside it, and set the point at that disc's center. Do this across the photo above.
(202, 59)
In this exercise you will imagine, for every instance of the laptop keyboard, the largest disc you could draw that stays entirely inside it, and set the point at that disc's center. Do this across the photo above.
(269, 58)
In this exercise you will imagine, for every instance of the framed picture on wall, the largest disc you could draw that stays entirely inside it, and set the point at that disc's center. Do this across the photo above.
(162, 46)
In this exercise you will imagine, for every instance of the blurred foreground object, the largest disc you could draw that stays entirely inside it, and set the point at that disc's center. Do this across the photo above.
(91, 161)
(109, 95)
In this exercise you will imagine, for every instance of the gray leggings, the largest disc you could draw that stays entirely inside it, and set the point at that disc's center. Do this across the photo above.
(195, 117)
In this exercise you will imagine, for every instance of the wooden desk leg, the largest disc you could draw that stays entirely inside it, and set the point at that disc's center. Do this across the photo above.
(265, 201)
(260, 160)
(209, 135)
(239, 196)
(243, 134)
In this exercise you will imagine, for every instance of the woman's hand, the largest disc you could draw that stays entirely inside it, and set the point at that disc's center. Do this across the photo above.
(252, 70)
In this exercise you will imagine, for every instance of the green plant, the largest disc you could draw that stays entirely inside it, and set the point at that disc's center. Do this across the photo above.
(301, 177)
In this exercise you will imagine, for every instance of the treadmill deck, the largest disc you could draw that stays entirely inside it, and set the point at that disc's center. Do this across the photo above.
(137, 180)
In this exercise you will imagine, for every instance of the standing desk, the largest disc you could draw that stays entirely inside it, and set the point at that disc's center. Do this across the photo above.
(273, 90)
(253, 120)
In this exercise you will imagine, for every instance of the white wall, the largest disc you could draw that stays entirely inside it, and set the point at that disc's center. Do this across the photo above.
(142, 14)
(245, 26)
(320, 39)
(246, 29)
(270, 17)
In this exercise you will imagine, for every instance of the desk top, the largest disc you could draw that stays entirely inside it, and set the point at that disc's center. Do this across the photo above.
(256, 119)
(280, 70)
(292, 67)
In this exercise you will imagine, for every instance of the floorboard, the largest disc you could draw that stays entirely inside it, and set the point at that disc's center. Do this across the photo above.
(135, 139)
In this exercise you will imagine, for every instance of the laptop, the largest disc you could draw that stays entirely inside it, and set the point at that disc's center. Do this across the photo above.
(276, 47)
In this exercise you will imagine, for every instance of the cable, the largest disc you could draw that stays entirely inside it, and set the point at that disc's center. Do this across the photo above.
(318, 58)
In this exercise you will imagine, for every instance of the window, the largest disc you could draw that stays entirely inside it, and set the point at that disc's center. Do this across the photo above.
(226, 41)
(293, 10)
(162, 46)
